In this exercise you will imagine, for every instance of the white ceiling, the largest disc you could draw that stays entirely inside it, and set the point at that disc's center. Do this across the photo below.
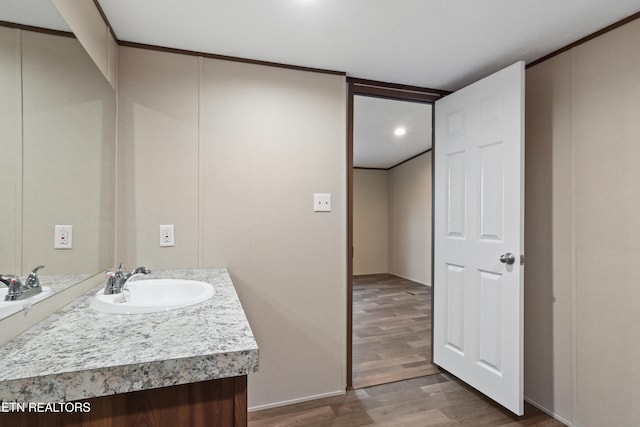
(374, 121)
(441, 44)
(37, 13)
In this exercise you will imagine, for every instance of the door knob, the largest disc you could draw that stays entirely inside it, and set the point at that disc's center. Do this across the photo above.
(508, 258)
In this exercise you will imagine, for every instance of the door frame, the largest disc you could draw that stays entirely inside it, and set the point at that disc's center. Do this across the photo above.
(389, 91)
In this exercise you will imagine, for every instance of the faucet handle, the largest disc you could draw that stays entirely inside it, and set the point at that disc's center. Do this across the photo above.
(7, 278)
(110, 287)
(15, 288)
(32, 279)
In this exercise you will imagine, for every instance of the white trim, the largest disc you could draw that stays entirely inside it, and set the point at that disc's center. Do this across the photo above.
(548, 412)
(293, 401)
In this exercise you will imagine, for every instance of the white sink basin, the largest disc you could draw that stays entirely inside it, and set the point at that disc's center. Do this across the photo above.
(153, 295)
(7, 308)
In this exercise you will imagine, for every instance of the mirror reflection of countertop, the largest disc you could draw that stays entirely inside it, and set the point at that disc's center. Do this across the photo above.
(79, 353)
(50, 286)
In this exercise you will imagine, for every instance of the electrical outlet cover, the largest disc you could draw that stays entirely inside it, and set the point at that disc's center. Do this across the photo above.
(167, 237)
(63, 237)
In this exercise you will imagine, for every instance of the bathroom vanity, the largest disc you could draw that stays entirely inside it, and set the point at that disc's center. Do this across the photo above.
(180, 367)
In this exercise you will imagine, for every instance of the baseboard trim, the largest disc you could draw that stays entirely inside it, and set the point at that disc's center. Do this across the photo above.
(548, 412)
(294, 401)
(413, 280)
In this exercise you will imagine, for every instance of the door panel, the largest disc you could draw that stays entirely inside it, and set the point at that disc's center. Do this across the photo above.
(455, 308)
(478, 216)
(456, 195)
(491, 192)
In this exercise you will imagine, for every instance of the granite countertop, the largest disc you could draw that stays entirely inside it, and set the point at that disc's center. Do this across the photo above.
(79, 353)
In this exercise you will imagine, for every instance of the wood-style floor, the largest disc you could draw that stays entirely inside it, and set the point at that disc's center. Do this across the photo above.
(391, 330)
(436, 401)
(392, 342)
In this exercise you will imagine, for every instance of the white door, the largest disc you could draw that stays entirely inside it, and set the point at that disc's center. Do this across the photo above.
(478, 220)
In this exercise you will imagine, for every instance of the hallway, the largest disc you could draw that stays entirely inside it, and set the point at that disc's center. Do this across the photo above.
(391, 330)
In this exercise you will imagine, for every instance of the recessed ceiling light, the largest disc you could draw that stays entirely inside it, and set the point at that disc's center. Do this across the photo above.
(400, 131)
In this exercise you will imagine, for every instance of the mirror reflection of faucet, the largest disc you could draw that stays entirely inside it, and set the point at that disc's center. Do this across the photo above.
(117, 281)
(17, 290)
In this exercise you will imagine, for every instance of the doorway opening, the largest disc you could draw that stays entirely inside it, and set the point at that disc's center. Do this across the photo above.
(389, 230)
(391, 330)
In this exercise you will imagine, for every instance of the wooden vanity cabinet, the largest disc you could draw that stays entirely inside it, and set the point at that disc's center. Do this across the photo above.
(219, 403)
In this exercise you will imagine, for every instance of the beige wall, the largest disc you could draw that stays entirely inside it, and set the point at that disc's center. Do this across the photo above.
(11, 149)
(392, 220)
(582, 247)
(606, 135)
(232, 153)
(68, 152)
(548, 230)
(158, 176)
(410, 219)
(370, 221)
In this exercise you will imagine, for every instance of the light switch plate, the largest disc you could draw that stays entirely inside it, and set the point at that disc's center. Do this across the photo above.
(63, 237)
(322, 202)
(167, 237)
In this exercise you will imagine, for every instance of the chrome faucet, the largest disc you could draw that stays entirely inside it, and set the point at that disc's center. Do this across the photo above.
(7, 279)
(117, 281)
(18, 291)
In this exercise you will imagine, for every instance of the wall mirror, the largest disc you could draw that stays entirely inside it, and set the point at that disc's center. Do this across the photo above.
(57, 139)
